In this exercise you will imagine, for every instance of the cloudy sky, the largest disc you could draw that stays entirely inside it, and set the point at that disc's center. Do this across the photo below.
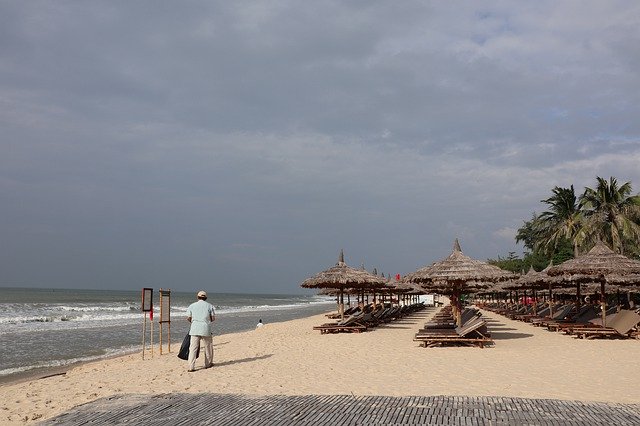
(238, 146)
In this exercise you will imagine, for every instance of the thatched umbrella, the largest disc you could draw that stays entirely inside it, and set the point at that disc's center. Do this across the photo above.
(402, 288)
(342, 277)
(458, 273)
(537, 281)
(601, 265)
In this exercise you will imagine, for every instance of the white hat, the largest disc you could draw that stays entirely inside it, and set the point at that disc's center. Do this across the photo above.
(202, 294)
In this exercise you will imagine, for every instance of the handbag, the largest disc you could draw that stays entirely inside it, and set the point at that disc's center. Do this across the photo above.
(184, 349)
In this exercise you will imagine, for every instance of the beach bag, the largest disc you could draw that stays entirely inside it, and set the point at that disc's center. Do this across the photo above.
(184, 349)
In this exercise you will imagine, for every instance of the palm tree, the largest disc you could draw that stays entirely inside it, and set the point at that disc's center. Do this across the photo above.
(529, 233)
(562, 222)
(612, 214)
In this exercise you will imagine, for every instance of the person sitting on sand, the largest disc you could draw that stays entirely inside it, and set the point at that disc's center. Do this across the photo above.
(201, 314)
(260, 324)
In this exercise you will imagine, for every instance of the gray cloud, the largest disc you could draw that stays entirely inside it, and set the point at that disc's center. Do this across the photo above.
(240, 145)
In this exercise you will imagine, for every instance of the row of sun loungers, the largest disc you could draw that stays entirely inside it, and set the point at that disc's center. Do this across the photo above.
(585, 323)
(363, 320)
(441, 330)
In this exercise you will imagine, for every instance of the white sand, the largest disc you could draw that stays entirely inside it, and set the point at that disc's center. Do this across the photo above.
(290, 358)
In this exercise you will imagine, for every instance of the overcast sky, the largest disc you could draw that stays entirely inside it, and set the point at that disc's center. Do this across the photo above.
(238, 145)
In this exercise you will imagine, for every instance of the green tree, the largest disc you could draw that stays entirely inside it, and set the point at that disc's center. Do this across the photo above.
(529, 233)
(563, 252)
(612, 214)
(510, 263)
(561, 222)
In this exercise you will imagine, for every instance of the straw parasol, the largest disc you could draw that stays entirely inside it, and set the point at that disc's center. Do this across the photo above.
(458, 273)
(343, 277)
(537, 281)
(601, 265)
(402, 288)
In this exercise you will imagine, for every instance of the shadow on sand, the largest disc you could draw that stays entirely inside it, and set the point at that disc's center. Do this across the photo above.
(500, 335)
(239, 361)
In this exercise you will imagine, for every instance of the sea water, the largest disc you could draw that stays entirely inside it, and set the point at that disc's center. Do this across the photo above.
(45, 328)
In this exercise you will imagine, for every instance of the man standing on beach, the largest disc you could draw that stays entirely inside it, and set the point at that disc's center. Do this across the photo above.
(201, 316)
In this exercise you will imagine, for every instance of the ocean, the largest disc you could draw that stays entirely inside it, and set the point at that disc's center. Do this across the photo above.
(44, 329)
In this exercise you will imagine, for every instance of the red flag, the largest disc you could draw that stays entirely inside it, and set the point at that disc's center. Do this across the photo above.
(397, 277)
(151, 313)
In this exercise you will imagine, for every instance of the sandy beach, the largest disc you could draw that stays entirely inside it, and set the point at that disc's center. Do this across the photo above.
(290, 358)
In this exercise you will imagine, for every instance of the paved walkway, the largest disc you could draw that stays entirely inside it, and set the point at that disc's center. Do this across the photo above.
(214, 409)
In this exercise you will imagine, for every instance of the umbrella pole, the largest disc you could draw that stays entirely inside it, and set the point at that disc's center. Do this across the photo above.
(459, 310)
(550, 301)
(341, 303)
(578, 295)
(603, 303)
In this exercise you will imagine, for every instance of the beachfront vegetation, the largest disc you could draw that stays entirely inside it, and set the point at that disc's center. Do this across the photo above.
(572, 224)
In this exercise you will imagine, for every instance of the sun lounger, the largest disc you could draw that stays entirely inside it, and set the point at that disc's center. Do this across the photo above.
(559, 313)
(353, 324)
(350, 311)
(618, 327)
(522, 310)
(583, 316)
(541, 312)
(594, 322)
(473, 333)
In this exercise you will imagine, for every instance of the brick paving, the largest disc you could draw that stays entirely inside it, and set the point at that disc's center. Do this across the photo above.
(217, 409)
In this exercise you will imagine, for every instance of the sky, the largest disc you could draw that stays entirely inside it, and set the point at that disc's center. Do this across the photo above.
(239, 146)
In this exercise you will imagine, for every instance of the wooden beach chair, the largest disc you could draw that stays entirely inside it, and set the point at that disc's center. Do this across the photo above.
(558, 314)
(592, 323)
(473, 333)
(519, 310)
(352, 324)
(541, 312)
(350, 311)
(585, 314)
(619, 327)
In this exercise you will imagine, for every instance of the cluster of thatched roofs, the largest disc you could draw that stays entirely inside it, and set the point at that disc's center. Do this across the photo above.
(454, 274)
(458, 274)
(599, 266)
